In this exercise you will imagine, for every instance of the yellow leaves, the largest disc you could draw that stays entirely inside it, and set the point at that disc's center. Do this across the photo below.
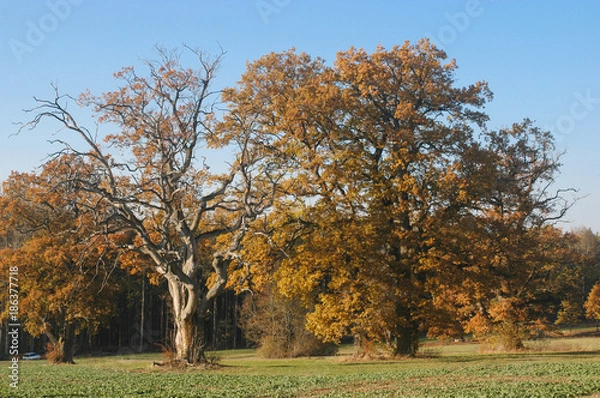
(405, 111)
(61, 262)
(296, 280)
(155, 278)
(85, 98)
(479, 325)
(570, 313)
(592, 304)
(508, 310)
(328, 325)
(125, 72)
(133, 262)
(210, 281)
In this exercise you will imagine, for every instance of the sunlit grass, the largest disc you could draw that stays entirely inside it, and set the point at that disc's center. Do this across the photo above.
(568, 367)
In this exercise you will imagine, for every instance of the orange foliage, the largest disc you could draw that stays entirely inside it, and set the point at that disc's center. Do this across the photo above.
(63, 260)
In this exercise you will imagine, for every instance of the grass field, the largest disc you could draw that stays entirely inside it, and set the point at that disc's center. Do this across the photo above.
(566, 367)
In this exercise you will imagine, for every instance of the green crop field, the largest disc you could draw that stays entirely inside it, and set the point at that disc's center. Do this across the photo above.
(551, 368)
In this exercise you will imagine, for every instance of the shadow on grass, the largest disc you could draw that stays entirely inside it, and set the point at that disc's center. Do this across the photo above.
(575, 353)
(518, 356)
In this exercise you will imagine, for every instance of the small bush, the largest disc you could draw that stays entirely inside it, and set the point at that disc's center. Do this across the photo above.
(270, 347)
(54, 352)
(169, 359)
(278, 326)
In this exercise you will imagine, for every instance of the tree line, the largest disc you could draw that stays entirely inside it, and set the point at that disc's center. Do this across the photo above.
(364, 199)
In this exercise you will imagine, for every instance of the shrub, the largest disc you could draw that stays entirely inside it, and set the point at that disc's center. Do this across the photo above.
(278, 326)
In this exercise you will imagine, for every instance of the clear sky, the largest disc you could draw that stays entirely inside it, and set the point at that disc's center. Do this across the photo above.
(541, 58)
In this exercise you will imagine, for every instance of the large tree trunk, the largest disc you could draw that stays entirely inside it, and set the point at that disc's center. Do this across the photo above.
(407, 333)
(362, 348)
(407, 341)
(189, 344)
(189, 339)
(63, 347)
(190, 306)
(69, 343)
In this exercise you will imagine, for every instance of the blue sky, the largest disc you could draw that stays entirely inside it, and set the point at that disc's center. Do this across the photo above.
(541, 59)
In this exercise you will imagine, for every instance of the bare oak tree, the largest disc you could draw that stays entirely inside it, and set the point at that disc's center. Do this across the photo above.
(163, 195)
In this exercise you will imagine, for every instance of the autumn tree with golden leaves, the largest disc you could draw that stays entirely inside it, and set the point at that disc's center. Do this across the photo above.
(373, 141)
(394, 179)
(63, 257)
(497, 255)
(151, 174)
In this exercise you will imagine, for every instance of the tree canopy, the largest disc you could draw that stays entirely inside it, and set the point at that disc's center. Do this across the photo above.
(369, 192)
(412, 210)
(63, 256)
